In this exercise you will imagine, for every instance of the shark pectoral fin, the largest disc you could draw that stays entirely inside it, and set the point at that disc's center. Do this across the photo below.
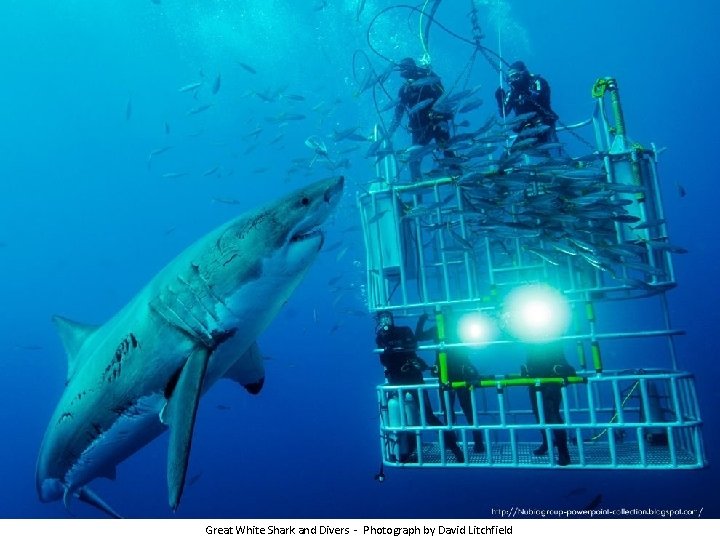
(254, 388)
(73, 335)
(179, 414)
(248, 370)
(89, 497)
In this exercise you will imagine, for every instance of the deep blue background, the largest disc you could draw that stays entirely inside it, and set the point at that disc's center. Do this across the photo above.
(84, 223)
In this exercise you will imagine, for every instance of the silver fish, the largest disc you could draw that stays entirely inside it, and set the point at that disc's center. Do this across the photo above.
(199, 109)
(190, 87)
(419, 106)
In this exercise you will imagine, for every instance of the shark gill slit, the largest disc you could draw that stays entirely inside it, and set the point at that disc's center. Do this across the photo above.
(176, 323)
(204, 333)
(199, 335)
(201, 300)
(208, 286)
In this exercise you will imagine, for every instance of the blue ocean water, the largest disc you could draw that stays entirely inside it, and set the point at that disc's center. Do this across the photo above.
(87, 217)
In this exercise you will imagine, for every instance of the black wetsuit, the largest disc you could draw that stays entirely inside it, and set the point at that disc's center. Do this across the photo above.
(404, 367)
(548, 360)
(424, 123)
(530, 95)
(460, 369)
(399, 346)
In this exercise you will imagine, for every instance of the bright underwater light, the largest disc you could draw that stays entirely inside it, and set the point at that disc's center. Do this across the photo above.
(536, 313)
(476, 328)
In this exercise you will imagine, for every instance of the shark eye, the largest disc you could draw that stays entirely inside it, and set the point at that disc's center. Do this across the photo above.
(305, 201)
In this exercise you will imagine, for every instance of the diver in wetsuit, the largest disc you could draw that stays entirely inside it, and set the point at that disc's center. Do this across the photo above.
(404, 367)
(529, 93)
(459, 369)
(416, 97)
(548, 360)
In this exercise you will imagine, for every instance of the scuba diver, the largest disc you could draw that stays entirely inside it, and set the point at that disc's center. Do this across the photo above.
(416, 97)
(404, 367)
(459, 369)
(548, 360)
(529, 95)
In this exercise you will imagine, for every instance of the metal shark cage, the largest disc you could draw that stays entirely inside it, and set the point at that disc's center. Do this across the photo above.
(591, 227)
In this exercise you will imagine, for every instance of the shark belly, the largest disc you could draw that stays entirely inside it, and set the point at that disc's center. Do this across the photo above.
(132, 430)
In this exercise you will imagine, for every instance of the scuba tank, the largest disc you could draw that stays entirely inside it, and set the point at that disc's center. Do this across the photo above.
(402, 418)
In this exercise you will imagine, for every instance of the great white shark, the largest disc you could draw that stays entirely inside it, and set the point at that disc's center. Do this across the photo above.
(195, 322)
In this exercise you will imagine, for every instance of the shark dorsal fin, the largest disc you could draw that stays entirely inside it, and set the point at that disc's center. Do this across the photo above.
(73, 335)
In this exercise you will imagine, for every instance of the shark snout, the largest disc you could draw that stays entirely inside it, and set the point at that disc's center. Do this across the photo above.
(317, 202)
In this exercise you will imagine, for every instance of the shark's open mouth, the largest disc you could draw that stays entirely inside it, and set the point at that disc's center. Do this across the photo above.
(299, 237)
(311, 235)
